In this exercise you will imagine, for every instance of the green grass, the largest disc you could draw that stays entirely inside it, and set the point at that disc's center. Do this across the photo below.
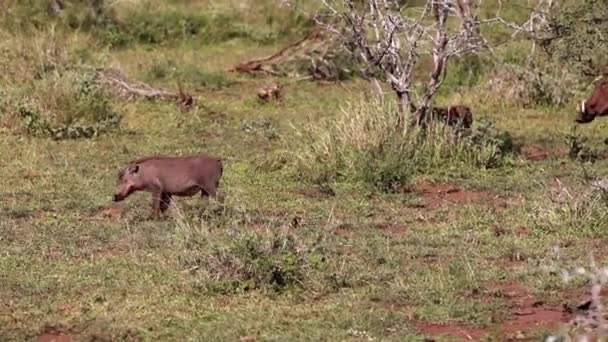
(360, 263)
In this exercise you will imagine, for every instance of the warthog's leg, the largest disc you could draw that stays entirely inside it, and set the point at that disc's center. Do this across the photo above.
(156, 199)
(165, 201)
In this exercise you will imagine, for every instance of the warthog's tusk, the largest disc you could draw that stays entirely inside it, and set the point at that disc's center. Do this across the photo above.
(583, 106)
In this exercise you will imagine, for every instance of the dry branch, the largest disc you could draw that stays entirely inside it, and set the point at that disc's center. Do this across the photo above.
(390, 38)
(116, 82)
(310, 42)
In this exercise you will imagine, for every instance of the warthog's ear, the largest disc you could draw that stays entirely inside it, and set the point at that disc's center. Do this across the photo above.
(133, 169)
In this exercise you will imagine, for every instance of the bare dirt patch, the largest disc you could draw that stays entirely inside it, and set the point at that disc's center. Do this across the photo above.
(54, 334)
(345, 230)
(538, 153)
(435, 195)
(527, 313)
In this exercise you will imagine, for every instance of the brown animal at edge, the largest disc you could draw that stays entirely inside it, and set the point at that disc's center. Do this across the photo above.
(167, 176)
(596, 105)
(458, 116)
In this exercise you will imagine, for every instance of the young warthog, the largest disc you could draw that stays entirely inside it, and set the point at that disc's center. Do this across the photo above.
(165, 176)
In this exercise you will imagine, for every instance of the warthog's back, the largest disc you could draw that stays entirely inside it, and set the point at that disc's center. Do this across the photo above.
(178, 174)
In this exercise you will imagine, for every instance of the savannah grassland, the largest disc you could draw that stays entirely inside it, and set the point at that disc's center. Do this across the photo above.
(296, 252)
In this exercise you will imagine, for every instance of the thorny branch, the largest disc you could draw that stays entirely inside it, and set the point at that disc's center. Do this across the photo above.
(390, 38)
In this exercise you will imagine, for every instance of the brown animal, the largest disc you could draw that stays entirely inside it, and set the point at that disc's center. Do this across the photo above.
(272, 91)
(455, 116)
(596, 104)
(165, 176)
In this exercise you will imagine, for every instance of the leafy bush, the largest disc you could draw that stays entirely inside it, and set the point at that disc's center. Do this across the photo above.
(363, 144)
(578, 40)
(548, 83)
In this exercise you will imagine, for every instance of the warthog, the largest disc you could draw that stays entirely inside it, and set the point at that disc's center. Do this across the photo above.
(165, 176)
(458, 116)
(596, 104)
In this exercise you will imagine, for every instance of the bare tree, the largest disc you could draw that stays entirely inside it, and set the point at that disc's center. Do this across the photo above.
(391, 37)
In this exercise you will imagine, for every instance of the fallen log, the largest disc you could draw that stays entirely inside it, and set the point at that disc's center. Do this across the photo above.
(288, 52)
(116, 82)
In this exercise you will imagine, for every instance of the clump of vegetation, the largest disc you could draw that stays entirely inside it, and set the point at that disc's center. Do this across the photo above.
(66, 105)
(580, 150)
(235, 258)
(364, 143)
(55, 95)
(189, 74)
(569, 209)
(252, 261)
(547, 83)
(263, 127)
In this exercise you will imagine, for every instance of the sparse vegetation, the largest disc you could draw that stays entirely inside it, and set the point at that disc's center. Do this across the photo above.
(364, 143)
(338, 223)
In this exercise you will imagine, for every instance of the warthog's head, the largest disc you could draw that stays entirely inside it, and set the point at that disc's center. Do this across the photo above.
(129, 180)
(595, 105)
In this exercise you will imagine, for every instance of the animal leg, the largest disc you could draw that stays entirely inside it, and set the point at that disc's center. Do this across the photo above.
(165, 201)
(156, 199)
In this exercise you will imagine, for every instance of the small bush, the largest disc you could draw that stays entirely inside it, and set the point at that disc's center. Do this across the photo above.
(65, 105)
(235, 258)
(548, 84)
(363, 144)
(250, 261)
(262, 127)
(581, 210)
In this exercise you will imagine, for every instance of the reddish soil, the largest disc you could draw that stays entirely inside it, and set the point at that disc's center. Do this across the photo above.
(312, 192)
(392, 229)
(51, 334)
(38, 214)
(537, 153)
(435, 195)
(345, 230)
(461, 332)
(111, 213)
(521, 231)
(527, 315)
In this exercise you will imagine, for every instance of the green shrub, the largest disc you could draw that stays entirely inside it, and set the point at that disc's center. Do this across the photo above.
(262, 127)
(65, 105)
(230, 257)
(250, 261)
(362, 143)
(548, 83)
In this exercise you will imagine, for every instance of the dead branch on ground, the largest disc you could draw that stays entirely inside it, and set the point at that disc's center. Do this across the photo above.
(312, 41)
(116, 82)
